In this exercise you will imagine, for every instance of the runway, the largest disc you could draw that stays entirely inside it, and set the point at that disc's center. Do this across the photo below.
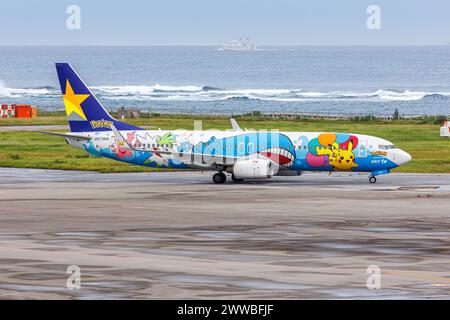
(177, 235)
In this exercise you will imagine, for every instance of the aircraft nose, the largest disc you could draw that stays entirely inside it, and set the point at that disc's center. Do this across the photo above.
(403, 157)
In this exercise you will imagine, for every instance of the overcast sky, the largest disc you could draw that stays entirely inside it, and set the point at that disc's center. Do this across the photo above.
(211, 22)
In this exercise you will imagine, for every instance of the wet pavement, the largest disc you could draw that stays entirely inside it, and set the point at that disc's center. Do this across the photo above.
(177, 235)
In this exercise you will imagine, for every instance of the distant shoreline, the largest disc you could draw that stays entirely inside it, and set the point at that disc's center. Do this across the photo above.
(220, 45)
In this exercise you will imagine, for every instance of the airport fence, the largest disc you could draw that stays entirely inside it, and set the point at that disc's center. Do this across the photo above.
(297, 115)
(363, 117)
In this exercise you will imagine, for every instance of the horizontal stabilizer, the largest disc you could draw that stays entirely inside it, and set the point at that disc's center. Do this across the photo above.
(67, 135)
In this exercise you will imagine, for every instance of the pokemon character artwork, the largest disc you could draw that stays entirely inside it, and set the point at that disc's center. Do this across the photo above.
(334, 151)
(245, 154)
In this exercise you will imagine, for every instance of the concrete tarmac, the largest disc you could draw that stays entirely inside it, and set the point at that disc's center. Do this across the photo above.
(177, 235)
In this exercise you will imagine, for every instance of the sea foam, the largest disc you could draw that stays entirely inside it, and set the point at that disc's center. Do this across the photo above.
(159, 92)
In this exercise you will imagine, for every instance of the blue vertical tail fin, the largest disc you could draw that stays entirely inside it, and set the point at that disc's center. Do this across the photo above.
(84, 111)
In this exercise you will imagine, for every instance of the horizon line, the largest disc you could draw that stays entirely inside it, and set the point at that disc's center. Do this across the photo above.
(220, 45)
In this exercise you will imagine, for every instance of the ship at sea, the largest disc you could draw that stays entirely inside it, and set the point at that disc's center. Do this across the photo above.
(239, 45)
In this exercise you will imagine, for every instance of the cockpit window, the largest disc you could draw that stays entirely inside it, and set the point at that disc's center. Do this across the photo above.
(386, 146)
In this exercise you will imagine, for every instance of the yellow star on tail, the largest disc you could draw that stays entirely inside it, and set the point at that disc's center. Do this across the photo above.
(73, 101)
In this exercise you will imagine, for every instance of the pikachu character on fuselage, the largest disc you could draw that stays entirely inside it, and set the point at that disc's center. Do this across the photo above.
(339, 158)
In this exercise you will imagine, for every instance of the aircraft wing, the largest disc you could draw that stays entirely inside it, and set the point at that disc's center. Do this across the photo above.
(193, 156)
(197, 157)
(122, 141)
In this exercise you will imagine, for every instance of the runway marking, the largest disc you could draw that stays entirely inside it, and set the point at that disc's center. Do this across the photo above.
(418, 187)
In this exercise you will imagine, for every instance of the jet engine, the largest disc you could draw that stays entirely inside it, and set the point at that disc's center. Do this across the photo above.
(254, 169)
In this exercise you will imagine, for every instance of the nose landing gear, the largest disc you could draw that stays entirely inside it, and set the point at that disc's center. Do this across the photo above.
(372, 178)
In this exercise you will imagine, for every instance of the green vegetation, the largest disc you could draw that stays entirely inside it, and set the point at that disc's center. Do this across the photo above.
(419, 137)
(36, 150)
(48, 120)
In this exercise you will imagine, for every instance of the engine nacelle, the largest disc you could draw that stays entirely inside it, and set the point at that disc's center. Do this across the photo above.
(254, 169)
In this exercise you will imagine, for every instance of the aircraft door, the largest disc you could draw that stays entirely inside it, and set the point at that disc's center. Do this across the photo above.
(362, 149)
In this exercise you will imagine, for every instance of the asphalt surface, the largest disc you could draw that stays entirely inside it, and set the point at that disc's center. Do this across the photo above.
(177, 235)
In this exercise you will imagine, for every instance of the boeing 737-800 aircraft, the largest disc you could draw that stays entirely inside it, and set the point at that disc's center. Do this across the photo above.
(244, 154)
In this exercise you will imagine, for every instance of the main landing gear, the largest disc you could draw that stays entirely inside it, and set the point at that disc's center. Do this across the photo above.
(372, 179)
(219, 177)
(233, 177)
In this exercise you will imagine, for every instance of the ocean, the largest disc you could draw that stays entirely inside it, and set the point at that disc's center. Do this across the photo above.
(327, 80)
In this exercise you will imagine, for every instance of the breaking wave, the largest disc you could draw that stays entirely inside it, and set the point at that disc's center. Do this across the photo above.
(26, 92)
(209, 93)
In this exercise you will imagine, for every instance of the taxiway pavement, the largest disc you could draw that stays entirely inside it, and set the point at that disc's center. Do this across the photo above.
(177, 235)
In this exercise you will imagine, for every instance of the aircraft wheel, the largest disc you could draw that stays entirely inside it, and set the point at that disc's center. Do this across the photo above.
(219, 177)
(372, 179)
(236, 179)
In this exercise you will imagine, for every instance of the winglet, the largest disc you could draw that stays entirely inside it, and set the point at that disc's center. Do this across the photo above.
(235, 125)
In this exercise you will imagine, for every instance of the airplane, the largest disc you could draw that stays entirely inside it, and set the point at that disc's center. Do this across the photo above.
(245, 154)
